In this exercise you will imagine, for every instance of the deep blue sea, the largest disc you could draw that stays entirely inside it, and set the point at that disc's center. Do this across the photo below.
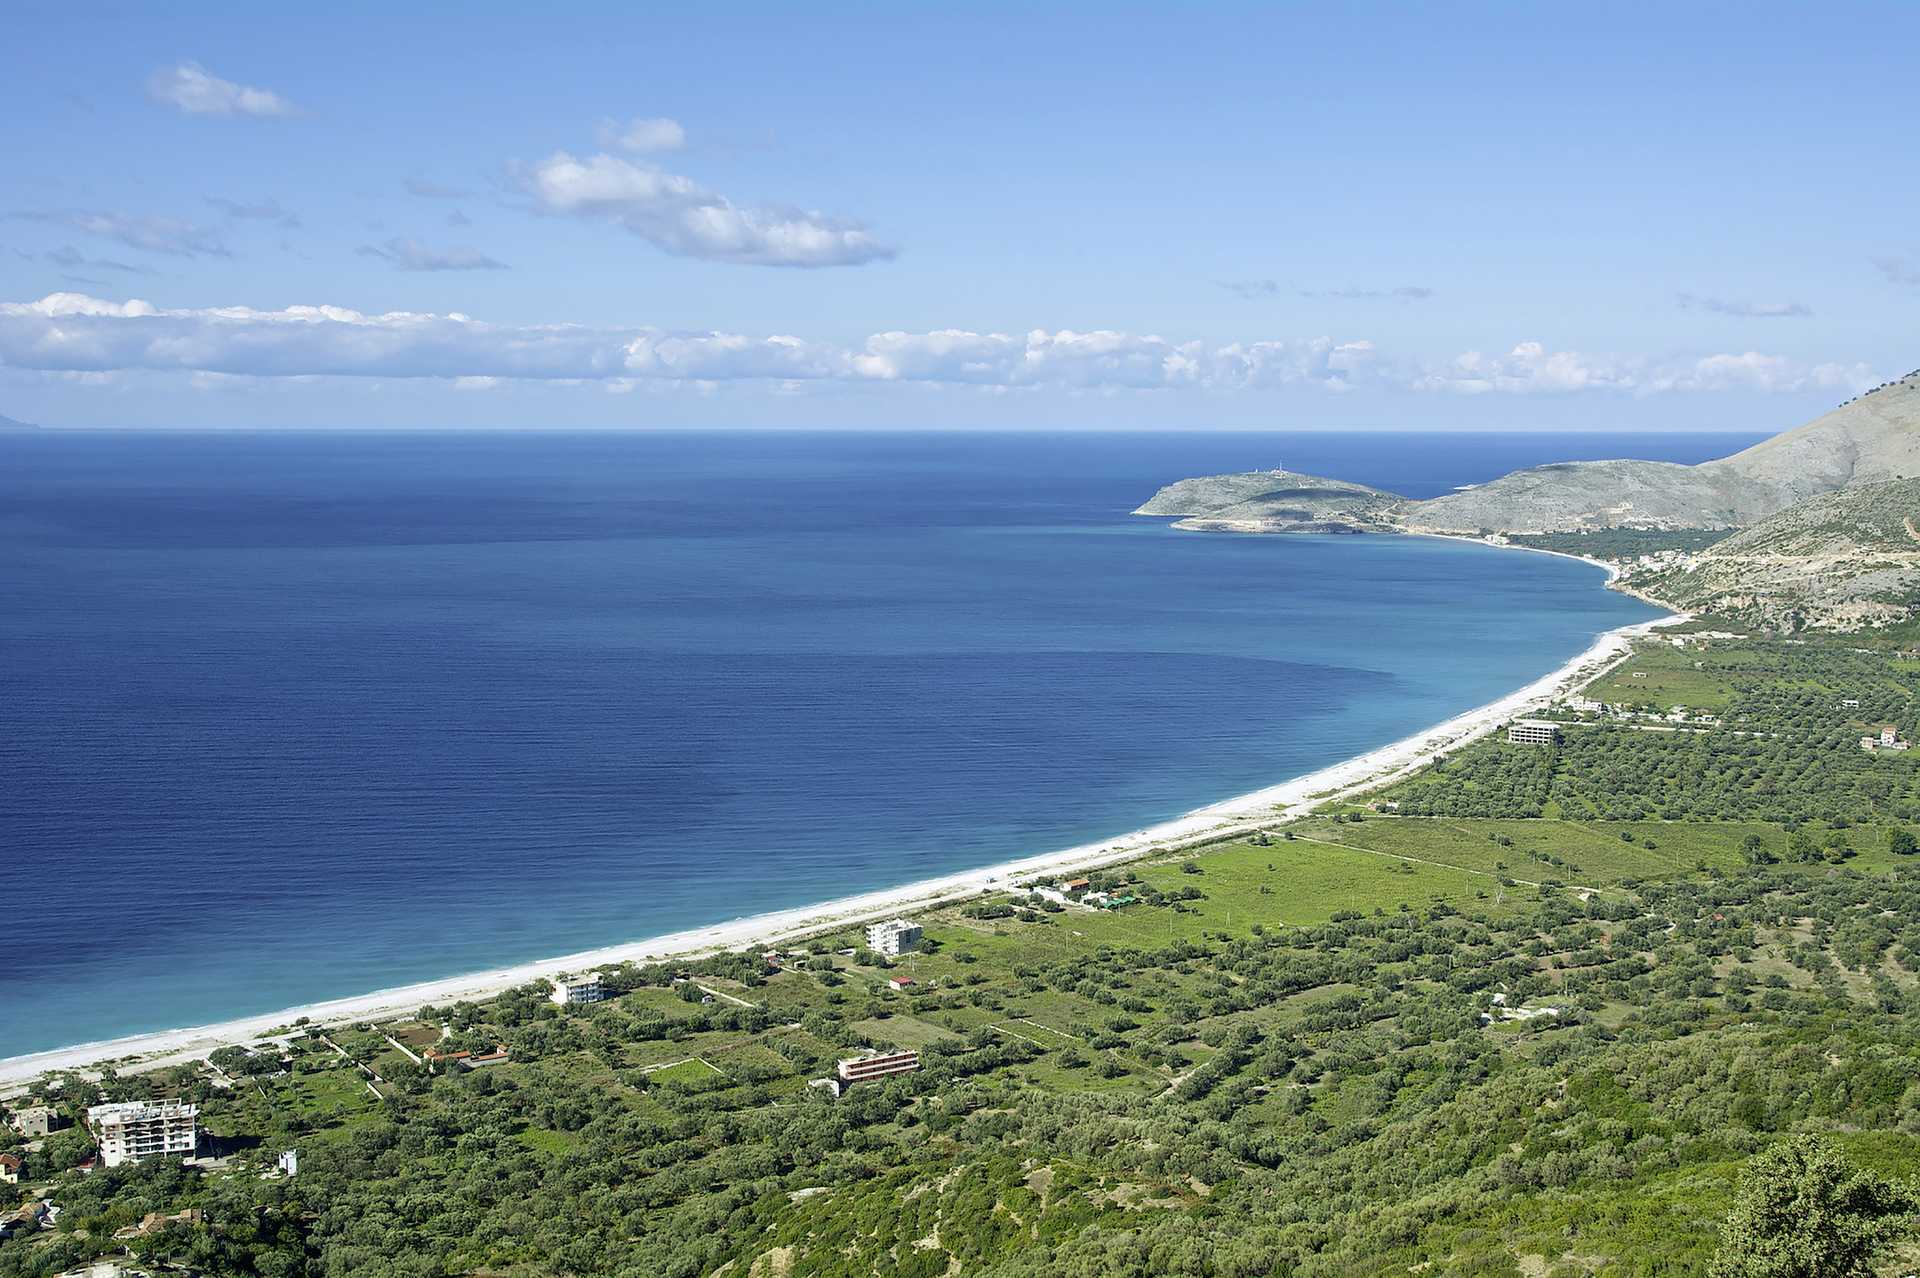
(292, 716)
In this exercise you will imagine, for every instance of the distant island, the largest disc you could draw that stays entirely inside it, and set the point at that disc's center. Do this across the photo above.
(1824, 517)
(8, 423)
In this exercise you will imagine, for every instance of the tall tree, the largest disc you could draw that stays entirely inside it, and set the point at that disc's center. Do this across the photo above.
(1804, 1211)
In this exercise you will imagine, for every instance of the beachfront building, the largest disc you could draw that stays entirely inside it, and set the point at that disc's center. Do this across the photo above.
(133, 1130)
(1533, 732)
(35, 1121)
(585, 988)
(893, 938)
(866, 1068)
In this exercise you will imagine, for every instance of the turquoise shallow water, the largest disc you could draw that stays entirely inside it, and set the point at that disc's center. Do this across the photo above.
(297, 716)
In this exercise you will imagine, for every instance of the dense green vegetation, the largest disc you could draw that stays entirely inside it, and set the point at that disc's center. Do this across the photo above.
(1622, 543)
(1361, 1043)
(1785, 748)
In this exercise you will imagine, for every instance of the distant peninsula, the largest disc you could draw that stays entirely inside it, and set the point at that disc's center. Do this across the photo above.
(1825, 515)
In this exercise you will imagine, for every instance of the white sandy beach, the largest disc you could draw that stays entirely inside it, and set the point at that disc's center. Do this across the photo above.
(1244, 813)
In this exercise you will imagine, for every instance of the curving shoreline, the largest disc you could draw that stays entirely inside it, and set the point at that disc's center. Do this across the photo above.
(1235, 815)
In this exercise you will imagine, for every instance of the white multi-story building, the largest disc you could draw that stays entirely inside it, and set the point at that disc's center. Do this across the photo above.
(893, 938)
(132, 1130)
(1533, 732)
(866, 1068)
(586, 988)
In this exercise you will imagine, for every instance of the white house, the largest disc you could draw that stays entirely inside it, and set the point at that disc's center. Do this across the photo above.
(585, 988)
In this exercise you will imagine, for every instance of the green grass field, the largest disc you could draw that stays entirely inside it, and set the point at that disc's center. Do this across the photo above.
(1666, 676)
(902, 1031)
(1593, 852)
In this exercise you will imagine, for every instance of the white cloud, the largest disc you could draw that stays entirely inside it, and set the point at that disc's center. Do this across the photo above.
(680, 216)
(1745, 309)
(1530, 368)
(174, 236)
(643, 136)
(75, 333)
(412, 255)
(191, 89)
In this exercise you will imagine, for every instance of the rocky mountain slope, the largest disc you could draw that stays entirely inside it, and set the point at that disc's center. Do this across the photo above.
(1871, 438)
(1570, 496)
(1838, 560)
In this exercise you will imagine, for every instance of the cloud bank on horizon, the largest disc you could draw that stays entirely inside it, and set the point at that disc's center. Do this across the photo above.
(79, 334)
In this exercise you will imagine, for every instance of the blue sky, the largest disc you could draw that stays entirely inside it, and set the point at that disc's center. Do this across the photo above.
(1478, 217)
